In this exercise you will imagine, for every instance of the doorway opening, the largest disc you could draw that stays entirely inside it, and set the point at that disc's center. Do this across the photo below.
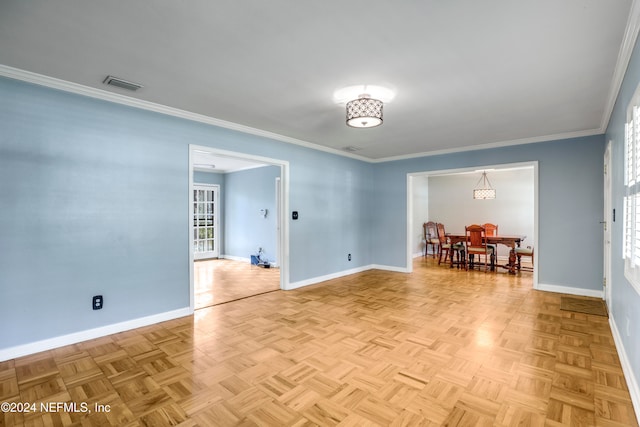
(446, 196)
(235, 220)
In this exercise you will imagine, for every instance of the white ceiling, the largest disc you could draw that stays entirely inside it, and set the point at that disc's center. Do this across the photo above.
(466, 73)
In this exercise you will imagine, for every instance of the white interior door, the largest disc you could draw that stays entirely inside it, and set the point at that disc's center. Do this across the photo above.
(206, 223)
(608, 214)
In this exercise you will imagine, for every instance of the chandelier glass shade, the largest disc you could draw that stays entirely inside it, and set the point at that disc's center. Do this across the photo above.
(485, 192)
(364, 112)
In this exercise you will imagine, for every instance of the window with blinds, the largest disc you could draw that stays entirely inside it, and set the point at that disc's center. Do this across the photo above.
(631, 237)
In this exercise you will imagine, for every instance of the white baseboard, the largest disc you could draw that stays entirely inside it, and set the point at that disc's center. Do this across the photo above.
(570, 290)
(273, 264)
(388, 268)
(314, 280)
(629, 375)
(236, 258)
(76, 337)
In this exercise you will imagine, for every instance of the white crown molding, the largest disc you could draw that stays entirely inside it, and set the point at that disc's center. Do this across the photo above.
(546, 138)
(54, 83)
(624, 56)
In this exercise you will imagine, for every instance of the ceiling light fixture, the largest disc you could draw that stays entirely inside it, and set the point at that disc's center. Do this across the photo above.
(364, 112)
(486, 191)
(364, 103)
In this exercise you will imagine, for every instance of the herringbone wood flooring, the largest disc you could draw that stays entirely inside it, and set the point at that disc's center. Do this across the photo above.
(431, 348)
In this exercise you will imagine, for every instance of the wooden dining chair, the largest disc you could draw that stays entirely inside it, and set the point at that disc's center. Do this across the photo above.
(526, 252)
(430, 230)
(476, 245)
(447, 248)
(492, 230)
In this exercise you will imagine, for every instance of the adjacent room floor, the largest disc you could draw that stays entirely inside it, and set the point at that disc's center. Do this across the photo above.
(217, 281)
(430, 348)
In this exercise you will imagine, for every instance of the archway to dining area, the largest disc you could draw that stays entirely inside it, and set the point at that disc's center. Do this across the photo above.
(446, 196)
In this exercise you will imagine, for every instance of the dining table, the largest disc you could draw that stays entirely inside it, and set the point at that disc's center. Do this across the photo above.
(512, 241)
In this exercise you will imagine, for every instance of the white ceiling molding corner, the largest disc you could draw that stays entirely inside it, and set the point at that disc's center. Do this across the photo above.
(624, 56)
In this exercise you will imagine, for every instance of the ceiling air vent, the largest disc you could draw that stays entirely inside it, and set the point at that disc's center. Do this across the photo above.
(124, 84)
(351, 149)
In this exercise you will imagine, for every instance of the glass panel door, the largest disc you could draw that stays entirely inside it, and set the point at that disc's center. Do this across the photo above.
(205, 221)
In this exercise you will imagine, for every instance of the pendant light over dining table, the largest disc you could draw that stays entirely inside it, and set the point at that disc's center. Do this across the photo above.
(486, 192)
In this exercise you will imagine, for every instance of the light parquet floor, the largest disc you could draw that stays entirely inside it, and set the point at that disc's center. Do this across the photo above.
(218, 281)
(437, 347)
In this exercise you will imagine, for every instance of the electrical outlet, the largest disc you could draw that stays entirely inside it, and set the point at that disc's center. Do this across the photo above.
(98, 302)
(349, 257)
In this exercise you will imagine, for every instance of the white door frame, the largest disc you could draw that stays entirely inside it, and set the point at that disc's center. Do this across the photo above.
(278, 184)
(283, 226)
(608, 225)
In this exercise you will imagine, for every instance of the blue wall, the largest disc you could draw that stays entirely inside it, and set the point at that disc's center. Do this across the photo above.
(332, 196)
(208, 178)
(625, 301)
(94, 201)
(246, 192)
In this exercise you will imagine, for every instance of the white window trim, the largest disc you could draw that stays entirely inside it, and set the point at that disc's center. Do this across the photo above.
(631, 203)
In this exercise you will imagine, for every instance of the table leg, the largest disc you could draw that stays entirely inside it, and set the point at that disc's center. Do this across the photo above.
(512, 261)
